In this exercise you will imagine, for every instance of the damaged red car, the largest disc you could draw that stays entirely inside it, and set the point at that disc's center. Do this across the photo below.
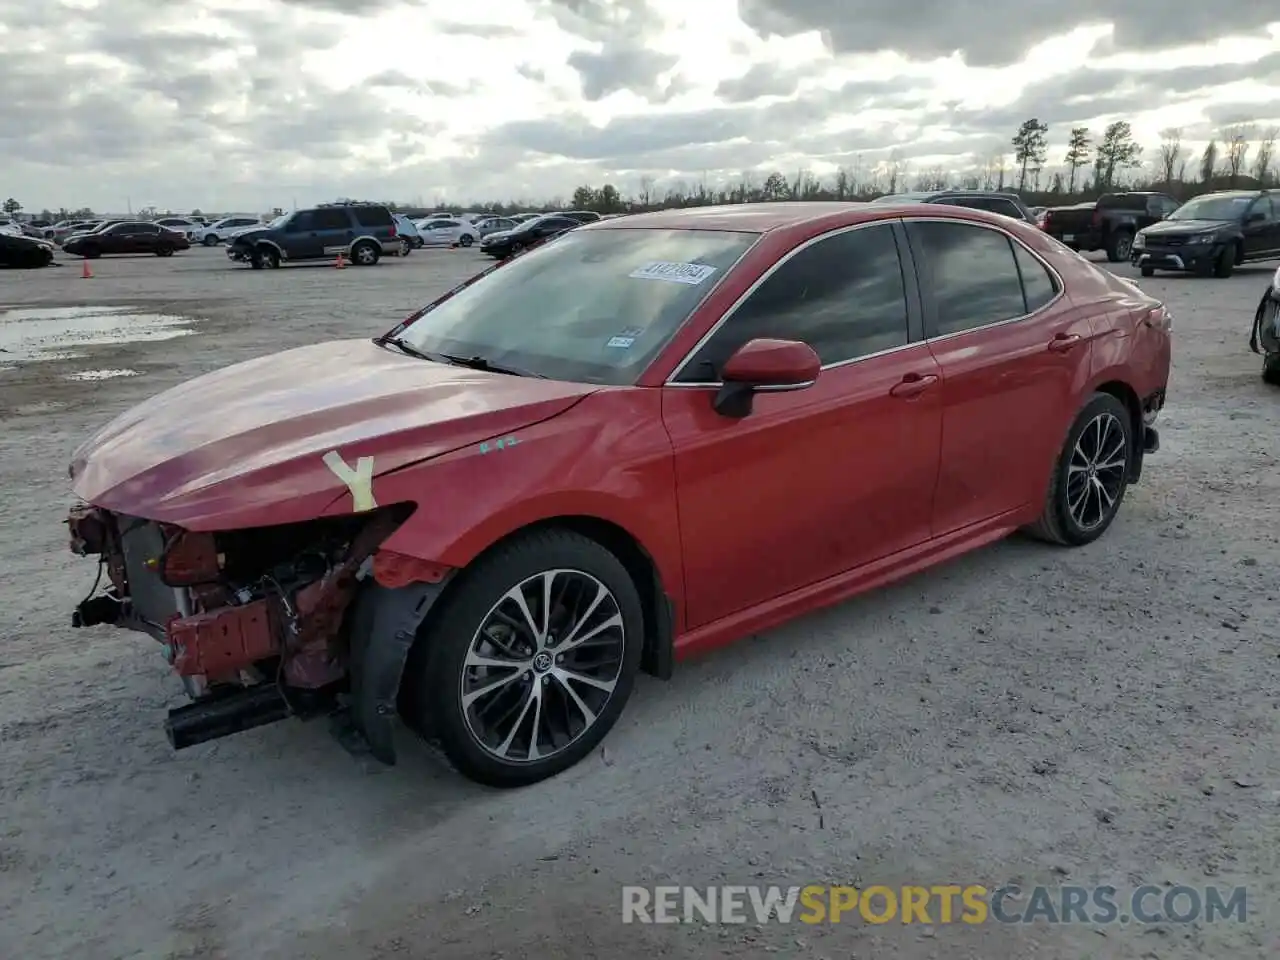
(648, 438)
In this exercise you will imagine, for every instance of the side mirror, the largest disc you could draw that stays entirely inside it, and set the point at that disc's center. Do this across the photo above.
(764, 366)
(1256, 217)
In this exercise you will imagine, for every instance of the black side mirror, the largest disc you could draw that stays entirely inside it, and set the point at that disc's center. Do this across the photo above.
(1256, 217)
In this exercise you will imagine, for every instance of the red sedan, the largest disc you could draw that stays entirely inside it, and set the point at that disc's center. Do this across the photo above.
(647, 438)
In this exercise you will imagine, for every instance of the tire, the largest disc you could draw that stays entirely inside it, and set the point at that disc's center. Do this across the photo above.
(516, 250)
(365, 254)
(164, 251)
(466, 240)
(1225, 264)
(438, 670)
(1106, 420)
(405, 248)
(1271, 369)
(91, 253)
(1119, 246)
(210, 240)
(1148, 271)
(264, 257)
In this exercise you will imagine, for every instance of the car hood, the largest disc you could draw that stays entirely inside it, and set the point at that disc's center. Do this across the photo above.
(1180, 227)
(255, 443)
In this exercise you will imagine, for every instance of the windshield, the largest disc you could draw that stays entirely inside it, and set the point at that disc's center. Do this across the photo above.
(1212, 208)
(592, 306)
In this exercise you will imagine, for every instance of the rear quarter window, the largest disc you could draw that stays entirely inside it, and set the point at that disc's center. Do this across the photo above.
(373, 216)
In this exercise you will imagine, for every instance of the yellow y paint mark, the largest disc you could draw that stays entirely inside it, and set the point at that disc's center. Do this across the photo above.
(359, 481)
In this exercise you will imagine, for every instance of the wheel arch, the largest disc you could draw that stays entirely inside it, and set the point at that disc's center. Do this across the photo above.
(1126, 394)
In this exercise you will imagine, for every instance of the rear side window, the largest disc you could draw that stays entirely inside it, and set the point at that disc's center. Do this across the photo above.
(1038, 285)
(843, 295)
(373, 216)
(971, 273)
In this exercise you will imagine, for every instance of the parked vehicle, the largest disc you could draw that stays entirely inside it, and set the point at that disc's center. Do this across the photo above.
(1003, 203)
(511, 242)
(1213, 234)
(1265, 339)
(361, 232)
(736, 389)
(447, 233)
(223, 230)
(10, 228)
(1109, 224)
(410, 238)
(59, 231)
(130, 236)
(21, 251)
(183, 225)
(582, 216)
(495, 225)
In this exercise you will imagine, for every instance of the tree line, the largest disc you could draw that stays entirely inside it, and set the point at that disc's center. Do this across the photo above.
(1240, 156)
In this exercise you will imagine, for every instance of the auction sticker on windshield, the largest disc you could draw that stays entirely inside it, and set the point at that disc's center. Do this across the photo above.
(690, 273)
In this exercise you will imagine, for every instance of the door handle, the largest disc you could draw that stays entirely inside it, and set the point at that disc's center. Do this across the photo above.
(1064, 342)
(913, 384)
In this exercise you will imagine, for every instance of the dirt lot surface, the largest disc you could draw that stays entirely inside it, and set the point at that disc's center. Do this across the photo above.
(1100, 716)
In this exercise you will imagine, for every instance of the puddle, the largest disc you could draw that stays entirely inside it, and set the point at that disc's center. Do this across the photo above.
(100, 374)
(41, 335)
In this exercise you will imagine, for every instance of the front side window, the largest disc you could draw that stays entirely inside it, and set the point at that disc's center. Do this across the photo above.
(596, 306)
(843, 295)
(1264, 207)
(971, 272)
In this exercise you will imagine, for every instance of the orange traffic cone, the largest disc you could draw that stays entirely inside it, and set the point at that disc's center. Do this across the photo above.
(341, 262)
(85, 272)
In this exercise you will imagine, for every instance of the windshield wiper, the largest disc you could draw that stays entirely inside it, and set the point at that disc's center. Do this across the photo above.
(405, 347)
(481, 363)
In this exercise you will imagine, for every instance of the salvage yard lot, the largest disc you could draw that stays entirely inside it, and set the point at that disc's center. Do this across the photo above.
(1043, 716)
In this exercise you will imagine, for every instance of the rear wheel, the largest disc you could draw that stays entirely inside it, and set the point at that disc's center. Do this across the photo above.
(365, 254)
(1091, 475)
(164, 250)
(466, 240)
(531, 659)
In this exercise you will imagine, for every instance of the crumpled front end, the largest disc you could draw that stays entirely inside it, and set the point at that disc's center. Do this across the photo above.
(252, 620)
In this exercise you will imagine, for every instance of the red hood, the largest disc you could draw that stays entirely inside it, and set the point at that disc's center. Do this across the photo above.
(245, 445)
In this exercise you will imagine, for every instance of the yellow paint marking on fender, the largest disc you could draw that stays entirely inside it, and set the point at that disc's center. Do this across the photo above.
(359, 481)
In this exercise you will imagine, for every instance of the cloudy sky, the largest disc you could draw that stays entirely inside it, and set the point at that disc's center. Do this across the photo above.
(250, 104)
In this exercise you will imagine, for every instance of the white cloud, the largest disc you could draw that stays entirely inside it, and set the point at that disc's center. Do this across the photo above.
(249, 104)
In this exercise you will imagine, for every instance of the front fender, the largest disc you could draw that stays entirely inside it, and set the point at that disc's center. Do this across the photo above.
(609, 458)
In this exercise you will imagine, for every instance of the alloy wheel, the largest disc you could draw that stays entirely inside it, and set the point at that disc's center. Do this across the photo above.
(1096, 472)
(543, 665)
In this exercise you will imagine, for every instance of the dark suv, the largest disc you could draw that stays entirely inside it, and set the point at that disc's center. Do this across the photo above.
(1212, 234)
(1008, 204)
(361, 232)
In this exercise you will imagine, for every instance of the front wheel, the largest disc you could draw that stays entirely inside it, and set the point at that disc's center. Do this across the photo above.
(531, 659)
(1271, 369)
(210, 240)
(264, 257)
(1090, 476)
(1119, 246)
(466, 240)
(1225, 264)
(1148, 271)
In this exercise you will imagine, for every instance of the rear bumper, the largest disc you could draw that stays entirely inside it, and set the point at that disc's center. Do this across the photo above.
(1085, 238)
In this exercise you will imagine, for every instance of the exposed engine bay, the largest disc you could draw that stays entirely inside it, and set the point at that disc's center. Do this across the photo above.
(255, 621)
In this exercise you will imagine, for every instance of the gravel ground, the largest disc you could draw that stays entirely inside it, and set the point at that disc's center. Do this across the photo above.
(1030, 714)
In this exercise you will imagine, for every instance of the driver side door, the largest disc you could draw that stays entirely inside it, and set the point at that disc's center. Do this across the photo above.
(816, 482)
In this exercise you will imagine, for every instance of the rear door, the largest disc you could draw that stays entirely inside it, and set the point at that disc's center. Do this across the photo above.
(146, 237)
(335, 229)
(1013, 353)
(818, 481)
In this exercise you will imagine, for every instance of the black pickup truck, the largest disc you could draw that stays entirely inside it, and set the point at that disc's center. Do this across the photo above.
(1110, 224)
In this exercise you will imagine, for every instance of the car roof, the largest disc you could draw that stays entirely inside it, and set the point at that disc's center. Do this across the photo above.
(1232, 193)
(744, 217)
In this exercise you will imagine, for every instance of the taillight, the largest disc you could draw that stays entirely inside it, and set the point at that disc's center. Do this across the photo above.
(393, 231)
